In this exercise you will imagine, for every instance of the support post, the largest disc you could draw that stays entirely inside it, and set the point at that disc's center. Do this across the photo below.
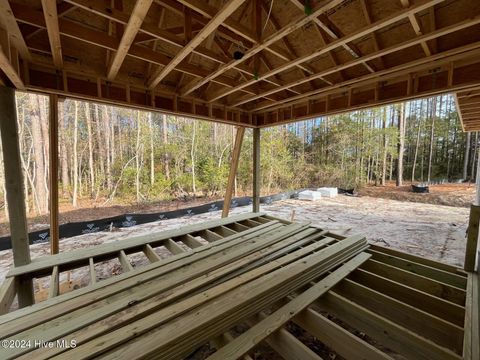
(256, 170)
(15, 191)
(472, 238)
(233, 171)
(53, 127)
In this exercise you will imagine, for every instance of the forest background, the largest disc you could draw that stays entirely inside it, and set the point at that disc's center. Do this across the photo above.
(112, 155)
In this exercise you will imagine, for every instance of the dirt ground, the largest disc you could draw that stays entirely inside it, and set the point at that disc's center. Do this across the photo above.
(429, 230)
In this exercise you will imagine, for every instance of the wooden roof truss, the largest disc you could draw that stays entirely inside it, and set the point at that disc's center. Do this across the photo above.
(294, 60)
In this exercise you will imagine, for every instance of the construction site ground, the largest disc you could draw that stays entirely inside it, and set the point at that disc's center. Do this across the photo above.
(421, 227)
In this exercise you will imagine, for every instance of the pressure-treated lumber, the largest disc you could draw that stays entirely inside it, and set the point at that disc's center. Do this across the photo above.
(383, 330)
(7, 294)
(151, 254)
(471, 349)
(152, 272)
(131, 244)
(441, 308)
(86, 316)
(471, 252)
(420, 322)
(15, 191)
(336, 337)
(241, 302)
(233, 170)
(54, 283)
(245, 342)
(422, 283)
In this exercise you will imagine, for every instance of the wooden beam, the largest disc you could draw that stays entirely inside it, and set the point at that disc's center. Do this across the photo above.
(93, 275)
(257, 179)
(392, 49)
(399, 74)
(51, 20)
(237, 148)
(247, 340)
(15, 191)
(10, 71)
(151, 254)
(333, 45)
(336, 337)
(212, 25)
(289, 28)
(8, 22)
(124, 261)
(53, 172)
(471, 251)
(7, 294)
(54, 283)
(471, 343)
(134, 23)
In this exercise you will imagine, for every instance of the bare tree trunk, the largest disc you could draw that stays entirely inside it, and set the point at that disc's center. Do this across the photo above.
(467, 155)
(475, 154)
(401, 142)
(106, 126)
(433, 114)
(152, 159)
(63, 148)
(165, 144)
(192, 156)
(100, 142)
(416, 151)
(137, 158)
(75, 155)
(38, 141)
(385, 145)
(91, 170)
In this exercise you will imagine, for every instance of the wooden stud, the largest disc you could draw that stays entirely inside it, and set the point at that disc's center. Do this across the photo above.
(233, 171)
(15, 191)
(53, 171)
(190, 241)
(471, 343)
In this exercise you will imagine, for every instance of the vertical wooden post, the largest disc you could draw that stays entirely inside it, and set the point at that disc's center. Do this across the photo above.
(53, 126)
(15, 191)
(233, 170)
(256, 170)
(472, 238)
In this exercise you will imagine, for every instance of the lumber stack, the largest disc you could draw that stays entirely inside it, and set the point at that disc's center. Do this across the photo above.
(172, 307)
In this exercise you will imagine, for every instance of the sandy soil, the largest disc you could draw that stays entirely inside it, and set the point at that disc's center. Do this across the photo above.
(433, 231)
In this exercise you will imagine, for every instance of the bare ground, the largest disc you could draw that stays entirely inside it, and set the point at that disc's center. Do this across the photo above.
(432, 231)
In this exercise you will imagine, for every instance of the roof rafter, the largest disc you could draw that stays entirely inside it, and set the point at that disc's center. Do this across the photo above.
(416, 27)
(409, 43)
(51, 20)
(355, 53)
(10, 71)
(292, 26)
(134, 23)
(215, 22)
(340, 42)
(8, 22)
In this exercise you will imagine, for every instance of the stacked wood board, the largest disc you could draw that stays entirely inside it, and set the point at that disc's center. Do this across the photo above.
(261, 285)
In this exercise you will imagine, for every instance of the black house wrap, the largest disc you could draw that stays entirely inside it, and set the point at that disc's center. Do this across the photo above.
(128, 220)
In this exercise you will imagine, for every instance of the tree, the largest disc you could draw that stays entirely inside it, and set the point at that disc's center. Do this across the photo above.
(401, 142)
